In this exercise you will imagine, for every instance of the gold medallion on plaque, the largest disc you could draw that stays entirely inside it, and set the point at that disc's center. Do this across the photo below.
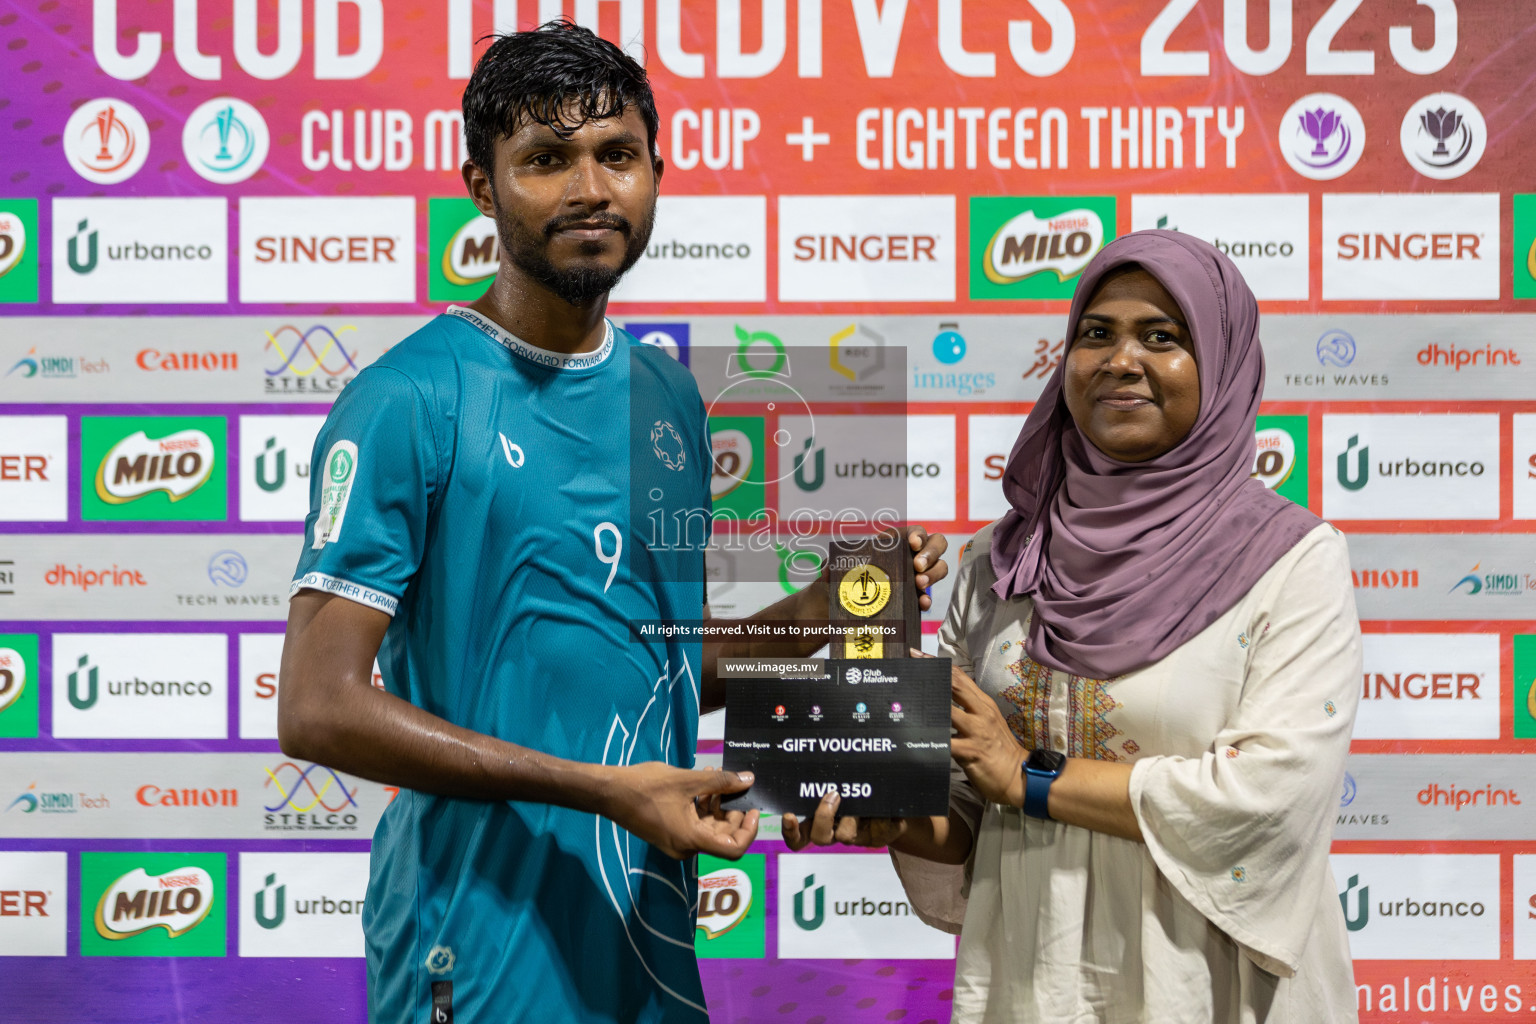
(865, 590)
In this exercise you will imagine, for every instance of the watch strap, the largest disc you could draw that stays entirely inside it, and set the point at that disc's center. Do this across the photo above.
(1037, 792)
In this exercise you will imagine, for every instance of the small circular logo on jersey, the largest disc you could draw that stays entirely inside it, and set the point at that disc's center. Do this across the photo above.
(440, 960)
(667, 443)
(1322, 136)
(225, 140)
(228, 568)
(1444, 135)
(106, 141)
(341, 466)
(865, 590)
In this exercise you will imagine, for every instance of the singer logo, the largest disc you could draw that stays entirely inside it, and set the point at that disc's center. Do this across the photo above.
(138, 465)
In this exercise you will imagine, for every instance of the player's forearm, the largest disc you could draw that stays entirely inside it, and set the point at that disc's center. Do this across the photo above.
(944, 840)
(376, 735)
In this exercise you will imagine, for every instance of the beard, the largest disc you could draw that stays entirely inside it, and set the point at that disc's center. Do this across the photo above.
(583, 282)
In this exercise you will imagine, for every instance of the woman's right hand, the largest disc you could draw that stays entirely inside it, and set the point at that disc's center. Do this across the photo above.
(825, 829)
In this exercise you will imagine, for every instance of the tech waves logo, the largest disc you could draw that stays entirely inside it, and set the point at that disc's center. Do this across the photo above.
(106, 141)
(311, 359)
(312, 798)
(176, 464)
(136, 902)
(1027, 245)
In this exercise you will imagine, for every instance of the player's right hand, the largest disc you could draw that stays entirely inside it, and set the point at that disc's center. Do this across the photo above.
(825, 828)
(678, 811)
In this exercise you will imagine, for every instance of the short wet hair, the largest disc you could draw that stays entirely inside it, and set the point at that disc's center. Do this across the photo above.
(548, 76)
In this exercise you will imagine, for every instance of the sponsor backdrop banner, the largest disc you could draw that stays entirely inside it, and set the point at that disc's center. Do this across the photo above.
(211, 219)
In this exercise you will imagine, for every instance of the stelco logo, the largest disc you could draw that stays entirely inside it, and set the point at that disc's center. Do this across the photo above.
(1456, 358)
(1028, 245)
(1434, 795)
(297, 792)
(725, 896)
(177, 901)
(1353, 478)
(177, 464)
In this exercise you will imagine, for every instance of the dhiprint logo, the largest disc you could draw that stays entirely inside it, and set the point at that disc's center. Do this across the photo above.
(1416, 906)
(296, 365)
(1437, 466)
(1322, 136)
(1335, 348)
(34, 903)
(274, 466)
(225, 140)
(106, 141)
(152, 904)
(302, 904)
(1443, 136)
(1429, 686)
(141, 250)
(309, 799)
(140, 685)
(850, 905)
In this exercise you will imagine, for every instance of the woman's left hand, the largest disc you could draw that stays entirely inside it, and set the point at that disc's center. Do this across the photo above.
(983, 744)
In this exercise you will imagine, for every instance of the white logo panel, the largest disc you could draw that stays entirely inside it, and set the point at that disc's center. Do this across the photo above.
(1408, 466)
(34, 469)
(140, 685)
(1443, 246)
(34, 903)
(302, 904)
(704, 249)
(1416, 907)
(841, 905)
(991, 441)
(1265, 235)
(328, 249)
(1429, 686)
(1524, 909)
(862, 248)
(261, 654)
(853, 464)
(1523, 465)
(141, 250)
(274, 466)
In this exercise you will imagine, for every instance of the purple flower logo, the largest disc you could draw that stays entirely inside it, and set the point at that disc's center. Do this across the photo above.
(1321, 136)
(1442, 124)
(1443, 135)
(1319, 125)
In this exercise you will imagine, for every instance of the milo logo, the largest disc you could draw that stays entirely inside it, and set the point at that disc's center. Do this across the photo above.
(176, 901)
(13, 676)
(1027, 245)
(473, 253)
(177, 464)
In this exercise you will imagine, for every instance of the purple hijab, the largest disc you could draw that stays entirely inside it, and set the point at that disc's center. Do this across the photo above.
(1126, 561)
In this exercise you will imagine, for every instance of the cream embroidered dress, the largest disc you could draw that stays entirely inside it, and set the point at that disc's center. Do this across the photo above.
(1229, 911)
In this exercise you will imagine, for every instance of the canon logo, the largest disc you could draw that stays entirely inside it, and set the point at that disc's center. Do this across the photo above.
(325, 249)
(1434, 795)
(154, 796)
(1421, 686)
(23, 467)
(865, 248)
(154, 359)
(1390, 579)
(1456, 358)
(1416, 246)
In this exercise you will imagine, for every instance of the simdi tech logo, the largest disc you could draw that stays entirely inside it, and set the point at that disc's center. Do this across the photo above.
(142, 468)
(1034, 247)
(18, 250)
(153, 904)
(18, 685)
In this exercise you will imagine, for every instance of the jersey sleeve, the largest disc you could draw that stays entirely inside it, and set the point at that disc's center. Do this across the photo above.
(373, 478)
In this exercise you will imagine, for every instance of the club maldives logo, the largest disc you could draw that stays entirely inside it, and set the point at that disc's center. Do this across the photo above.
(1443, 135)
(1035, 247)
(225, 140)
(1322, 136)
(153, 467)
(176, 465)
(106, 141)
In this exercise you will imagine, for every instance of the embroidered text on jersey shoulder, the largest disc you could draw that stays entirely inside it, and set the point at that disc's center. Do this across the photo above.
(532, 353)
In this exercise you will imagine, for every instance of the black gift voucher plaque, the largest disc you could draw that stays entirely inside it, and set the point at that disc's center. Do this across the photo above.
(875, 731)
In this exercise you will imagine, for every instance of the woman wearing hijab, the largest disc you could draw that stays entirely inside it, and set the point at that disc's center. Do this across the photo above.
(1156, 673)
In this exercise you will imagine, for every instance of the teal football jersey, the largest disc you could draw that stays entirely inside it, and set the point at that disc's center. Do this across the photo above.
(483, 492)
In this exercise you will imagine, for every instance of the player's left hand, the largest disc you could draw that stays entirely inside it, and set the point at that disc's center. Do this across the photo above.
(927, 561)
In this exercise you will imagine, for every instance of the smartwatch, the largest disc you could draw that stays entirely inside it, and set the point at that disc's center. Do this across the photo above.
(1041, 768)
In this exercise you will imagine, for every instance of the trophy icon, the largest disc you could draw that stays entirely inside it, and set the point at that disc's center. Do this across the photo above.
(1320, 125)
(1441, 124)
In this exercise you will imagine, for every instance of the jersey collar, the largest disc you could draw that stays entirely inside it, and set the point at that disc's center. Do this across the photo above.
(532, 353)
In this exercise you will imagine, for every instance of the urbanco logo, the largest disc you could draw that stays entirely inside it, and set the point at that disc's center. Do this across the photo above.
(302, 904)
(106, 141)
(1322, 136)
(850, 905)
(1035, 247)
(1415, 906)
(1266, 236)
(140, 685)
(141, 250)
(1443, 136)
(225, 140)
(153, 467)
(275, 454)
(34, 903)
(1429, 686)
(703, 249)
(1386, 466)
(152, 904)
